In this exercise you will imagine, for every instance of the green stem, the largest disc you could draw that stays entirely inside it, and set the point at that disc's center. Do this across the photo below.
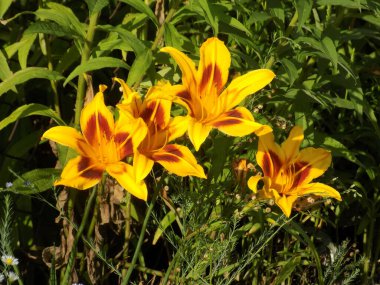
(141, 237)
(160, 34)
(81, 91)
(94, 219)
(78, 235)
(127, 233)
(170, 268)
(53, 83)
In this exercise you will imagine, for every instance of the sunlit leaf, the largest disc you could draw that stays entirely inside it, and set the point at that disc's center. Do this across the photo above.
(143, 8)
(35, 181)
(30, 110)
(27, 74)
(95, 64)
(95, 6)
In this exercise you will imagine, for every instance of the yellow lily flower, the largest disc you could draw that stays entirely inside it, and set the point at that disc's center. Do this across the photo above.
(162, 129)
(101, 147)
(208, 103)
(288, 171)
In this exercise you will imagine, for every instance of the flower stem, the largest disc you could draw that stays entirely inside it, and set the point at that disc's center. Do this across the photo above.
(141, 237)
(78, 235)
(160, 34)
(81, 91)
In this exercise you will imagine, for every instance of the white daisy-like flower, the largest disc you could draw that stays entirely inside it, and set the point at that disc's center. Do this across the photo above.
(9, 260)
(12, 276)
(1, 277)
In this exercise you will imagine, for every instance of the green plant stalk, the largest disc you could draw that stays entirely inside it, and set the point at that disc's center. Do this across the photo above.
(78, 235)
(170, 268)
(141, 237)
(94, 218)
(81, 91)
(127, 232)
(160, 34)
(53, 83)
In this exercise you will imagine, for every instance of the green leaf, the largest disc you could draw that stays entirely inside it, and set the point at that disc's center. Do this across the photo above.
(164, 223)
(140, 6)
(27, 74)
(95, 6)
(5, 71)
(291, 70)
(330, 50)
(35, 181)
(129, 38)
(49, 28)
(210, 18)
(95, 64)
(64, 17)
(287, 269)
(304, 8)
(23, 52)
(139, 67)
(30, 110)
(344, 3)
(4, 5)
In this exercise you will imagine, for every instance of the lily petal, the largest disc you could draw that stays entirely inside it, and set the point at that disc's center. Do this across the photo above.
(142, 165)
(270, 156)
(215, 60)
(179, 160)
(292, 144)
(286, 203)
(318, 189)
(252, 182)
(243, 86)
(97, 122)
(311, 163)
(198, 133)
(187, 67)
(123, 173)
(81, 173)
(69, 137)
(239, 122)
(129, 133)
(177, 127)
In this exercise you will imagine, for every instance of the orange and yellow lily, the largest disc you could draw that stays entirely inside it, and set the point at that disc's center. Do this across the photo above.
(162, 129)
(101, 146)
(208, 103)
(288, 172)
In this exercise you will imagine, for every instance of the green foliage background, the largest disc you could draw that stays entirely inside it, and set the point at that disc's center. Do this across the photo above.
(325, 54)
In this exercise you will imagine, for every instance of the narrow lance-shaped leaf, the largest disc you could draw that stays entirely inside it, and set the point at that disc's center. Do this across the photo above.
(139, 67)
(27, 74)
(29, 110)
(35, 181)
(4, 6)
(304, 9)
(95, 6)
(95, 64)
(143, 8)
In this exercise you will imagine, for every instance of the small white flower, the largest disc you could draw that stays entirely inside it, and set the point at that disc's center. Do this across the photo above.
(12, 276)
(9, 260)
(1, 277)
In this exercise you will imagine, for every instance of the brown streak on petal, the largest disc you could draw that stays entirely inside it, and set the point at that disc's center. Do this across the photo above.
(148, 111)
(93, 173)
(125, 144)
(166, 157)
(227, 122)
(104, 126)
(234, 113)
(302, 170)
(276, 161)
(184, 95)
(90, 129)
(266, 164)
(160, 116)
